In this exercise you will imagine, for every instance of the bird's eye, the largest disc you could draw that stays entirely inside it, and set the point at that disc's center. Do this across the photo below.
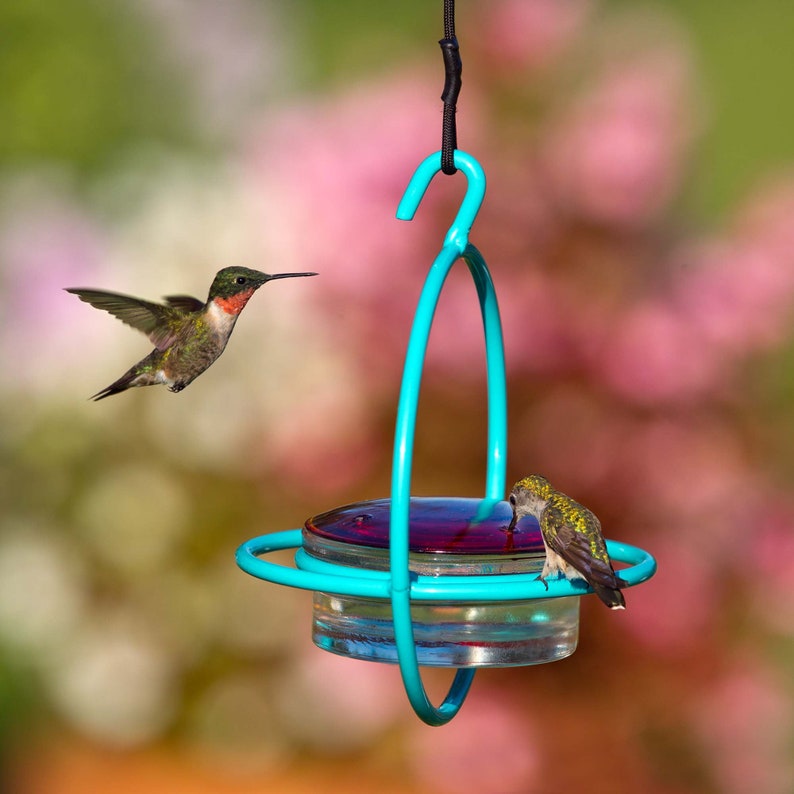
(512, 499)
(241, 279)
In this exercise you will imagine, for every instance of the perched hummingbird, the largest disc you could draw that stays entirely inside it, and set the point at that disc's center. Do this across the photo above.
(572, 536)
(188, 335)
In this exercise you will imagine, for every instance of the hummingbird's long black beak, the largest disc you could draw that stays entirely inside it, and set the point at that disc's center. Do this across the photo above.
(289, 275)
(513, 521)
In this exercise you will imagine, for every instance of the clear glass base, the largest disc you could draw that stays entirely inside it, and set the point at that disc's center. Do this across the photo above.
(506, 634)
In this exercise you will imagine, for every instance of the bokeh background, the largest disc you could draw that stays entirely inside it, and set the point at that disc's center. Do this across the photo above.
(638, 227)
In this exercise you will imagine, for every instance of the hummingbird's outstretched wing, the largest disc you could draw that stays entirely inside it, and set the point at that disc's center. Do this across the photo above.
(153, 319)
(585, 551)
(184, 302)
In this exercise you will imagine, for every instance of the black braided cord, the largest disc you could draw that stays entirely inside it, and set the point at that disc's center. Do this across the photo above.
(452, 83)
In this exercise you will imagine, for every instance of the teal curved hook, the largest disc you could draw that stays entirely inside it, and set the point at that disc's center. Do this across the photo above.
(458, 234)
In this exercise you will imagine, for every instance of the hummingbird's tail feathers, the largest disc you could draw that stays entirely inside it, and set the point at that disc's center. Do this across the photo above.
(611, 596)
(606, 584)
(122, 384)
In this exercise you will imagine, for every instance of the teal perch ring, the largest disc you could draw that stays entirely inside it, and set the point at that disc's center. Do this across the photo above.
(389, 579)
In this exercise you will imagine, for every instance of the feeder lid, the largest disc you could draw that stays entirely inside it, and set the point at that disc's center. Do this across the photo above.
(437, 525)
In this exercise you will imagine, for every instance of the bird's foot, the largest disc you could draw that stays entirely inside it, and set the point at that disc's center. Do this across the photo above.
(541, 578)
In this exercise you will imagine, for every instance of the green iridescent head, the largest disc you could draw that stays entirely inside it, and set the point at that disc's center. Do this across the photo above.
(535, 484)
(529, 497)
(233, 280)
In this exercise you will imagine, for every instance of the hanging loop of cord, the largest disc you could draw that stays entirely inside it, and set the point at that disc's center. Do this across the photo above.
(453, 69)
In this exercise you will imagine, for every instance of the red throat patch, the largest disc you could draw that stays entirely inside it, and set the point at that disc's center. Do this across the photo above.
(236, 303)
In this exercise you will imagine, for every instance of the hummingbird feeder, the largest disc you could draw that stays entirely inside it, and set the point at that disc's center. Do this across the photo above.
(437, 581)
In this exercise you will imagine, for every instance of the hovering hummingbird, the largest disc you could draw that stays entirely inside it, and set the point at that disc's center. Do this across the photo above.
(188, 335)
(572, 536)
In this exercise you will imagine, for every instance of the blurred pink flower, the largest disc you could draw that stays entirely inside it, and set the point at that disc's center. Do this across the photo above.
(469, 754)
(654, 354)
(728, 298)
(338, 169)
(745, 721)
(737, 295)
(773, 539)
(768, 562)
(45, 245)
(673, 613)
(765, 218)
(529, 34)
(740, 291)
(689, 469)
(616, 156)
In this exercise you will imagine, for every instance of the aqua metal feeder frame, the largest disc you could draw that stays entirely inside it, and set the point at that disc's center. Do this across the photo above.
(399, 585)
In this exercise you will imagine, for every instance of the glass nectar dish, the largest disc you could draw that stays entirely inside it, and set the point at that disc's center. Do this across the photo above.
(447, 537)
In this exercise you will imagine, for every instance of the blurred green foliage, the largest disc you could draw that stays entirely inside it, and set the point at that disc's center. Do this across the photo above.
(351, 39)
(57, 105)
(81, 81)
(745, 56)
